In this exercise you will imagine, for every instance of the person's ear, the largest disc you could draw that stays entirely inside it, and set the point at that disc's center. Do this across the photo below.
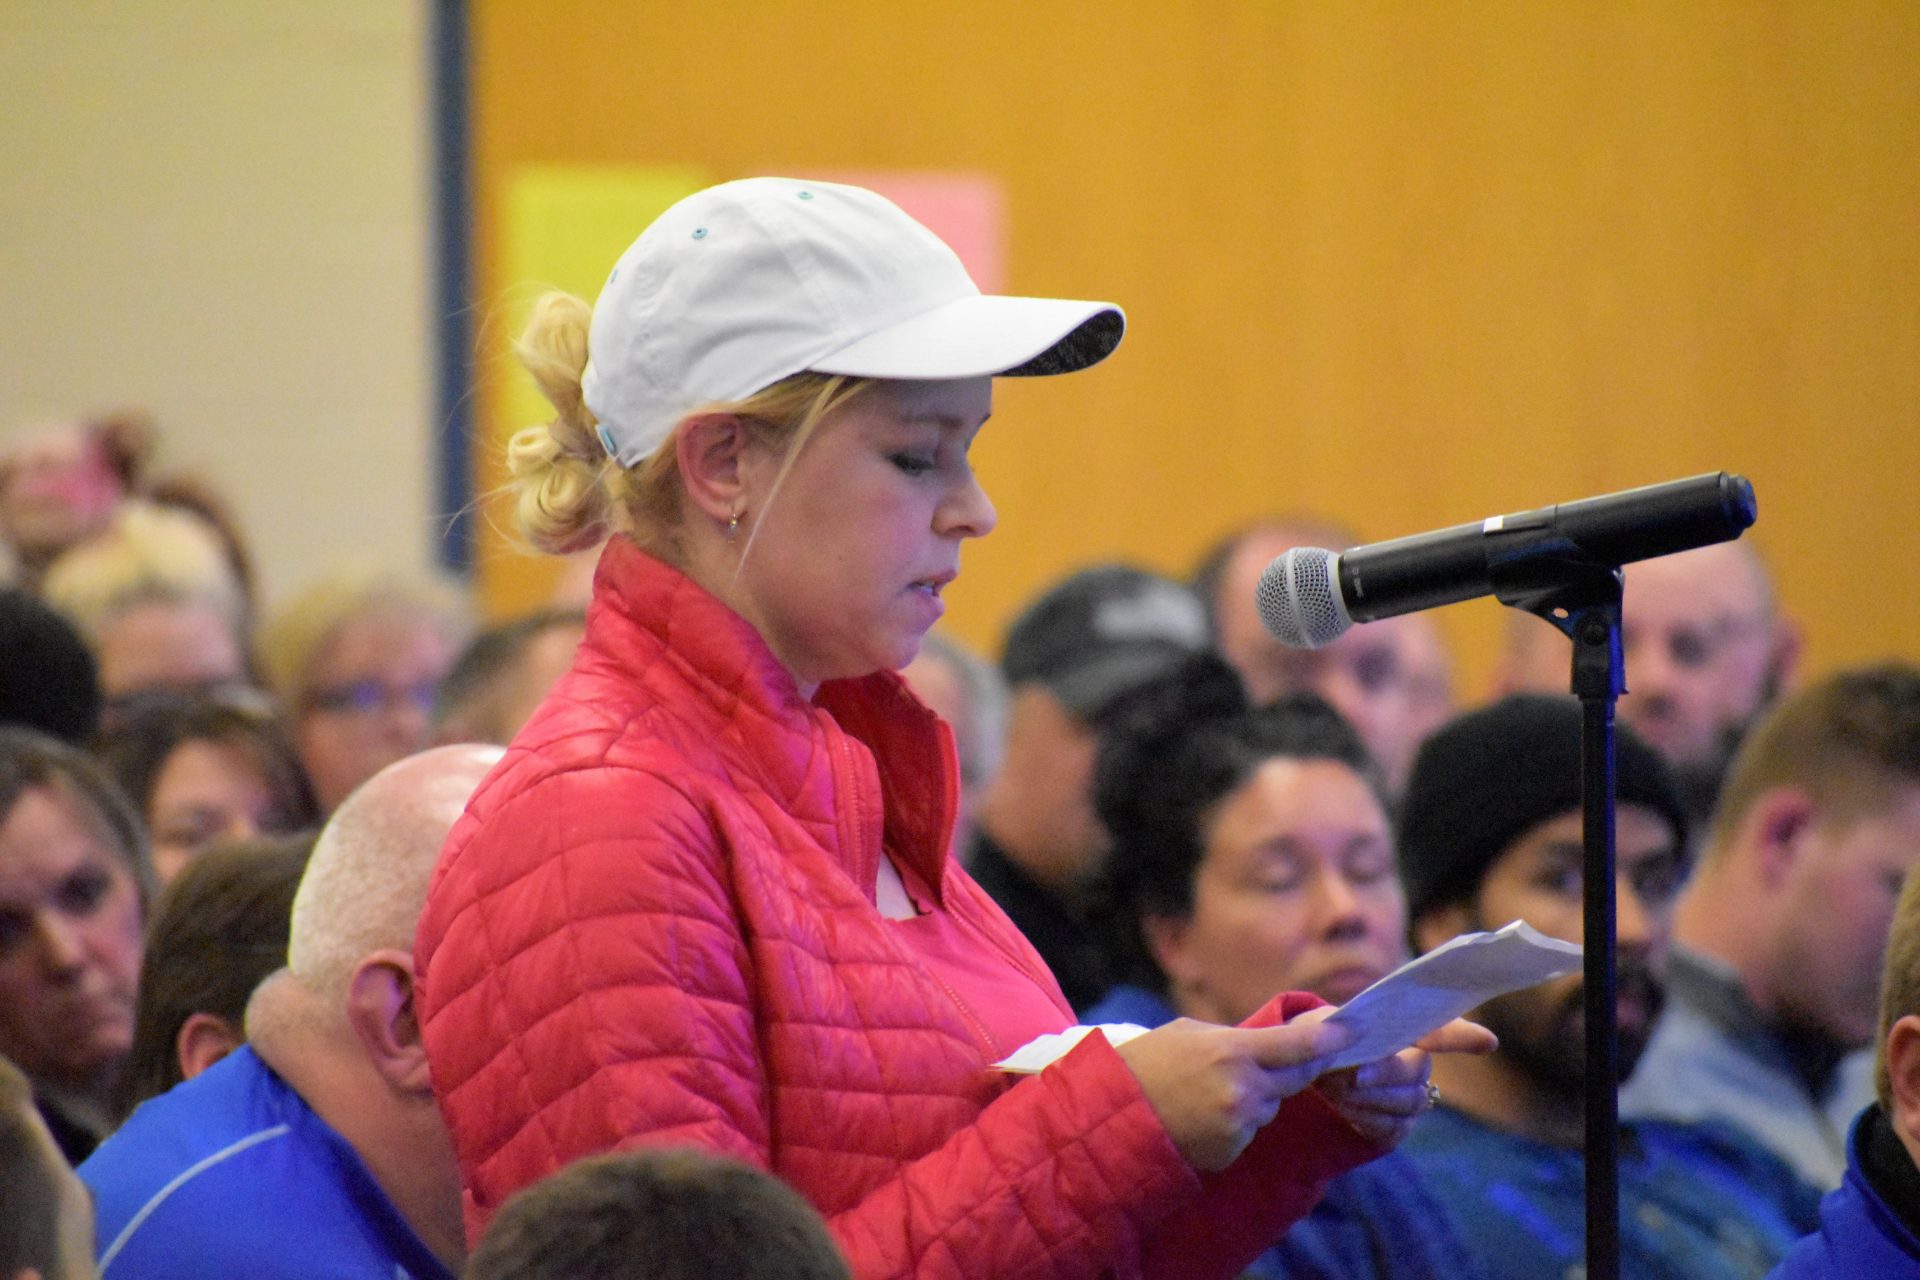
(1775, 828)
(1166, 939)
(381, 1012)
(711, 450)
(1441, 924)
(1783, 664)
(204, 1039)
(1902, 1051)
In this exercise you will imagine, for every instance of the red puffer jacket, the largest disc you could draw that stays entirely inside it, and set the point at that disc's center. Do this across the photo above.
(655, 924)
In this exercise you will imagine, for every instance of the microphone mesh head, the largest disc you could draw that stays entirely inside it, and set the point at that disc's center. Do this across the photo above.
(1299, 598)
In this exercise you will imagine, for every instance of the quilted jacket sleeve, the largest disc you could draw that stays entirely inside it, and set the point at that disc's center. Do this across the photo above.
(1277, 1180)
(594, 994)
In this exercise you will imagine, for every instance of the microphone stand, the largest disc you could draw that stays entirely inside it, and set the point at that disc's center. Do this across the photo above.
(1547, 575)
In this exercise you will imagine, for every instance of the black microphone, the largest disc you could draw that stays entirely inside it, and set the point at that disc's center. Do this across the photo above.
(1309, 596)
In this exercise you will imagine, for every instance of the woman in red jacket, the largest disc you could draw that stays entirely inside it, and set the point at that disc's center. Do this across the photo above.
(706, 897)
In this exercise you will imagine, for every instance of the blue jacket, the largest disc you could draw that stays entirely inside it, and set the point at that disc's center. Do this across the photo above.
(1377, 1222)
(1859, 1235)
(232, 1175)
(1695, 1203)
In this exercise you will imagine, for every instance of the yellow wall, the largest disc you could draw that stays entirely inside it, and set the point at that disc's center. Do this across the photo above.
(1409, 262)
(218, 211)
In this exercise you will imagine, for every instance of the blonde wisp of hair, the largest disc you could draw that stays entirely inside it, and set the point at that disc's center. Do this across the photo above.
(569, 494)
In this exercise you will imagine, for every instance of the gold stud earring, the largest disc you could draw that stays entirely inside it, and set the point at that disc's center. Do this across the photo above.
(733, 526)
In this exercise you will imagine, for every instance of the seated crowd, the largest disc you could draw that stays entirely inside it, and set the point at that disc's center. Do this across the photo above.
(218, 825)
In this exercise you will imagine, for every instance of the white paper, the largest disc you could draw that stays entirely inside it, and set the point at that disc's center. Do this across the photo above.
(1420, 996)
(1425, 994)
(1039, 1054)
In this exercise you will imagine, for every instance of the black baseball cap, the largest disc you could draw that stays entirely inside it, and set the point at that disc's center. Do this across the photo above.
(1102, 633)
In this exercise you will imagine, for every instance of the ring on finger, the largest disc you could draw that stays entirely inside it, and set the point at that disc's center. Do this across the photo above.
(1433, 1094)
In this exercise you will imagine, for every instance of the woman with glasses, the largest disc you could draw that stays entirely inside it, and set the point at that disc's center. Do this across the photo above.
(356, 659)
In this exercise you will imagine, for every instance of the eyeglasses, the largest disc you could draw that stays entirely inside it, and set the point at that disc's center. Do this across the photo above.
(368, 697)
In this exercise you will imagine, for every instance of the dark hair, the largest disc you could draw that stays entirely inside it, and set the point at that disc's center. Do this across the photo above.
(29, 761)
(1168, 755)
(48, 680)
(474, 678)
(663, 1214)
(30, 1209)
(157, 722)
(217, 930)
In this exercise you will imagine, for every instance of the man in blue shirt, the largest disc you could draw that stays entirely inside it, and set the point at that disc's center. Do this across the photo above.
(1490, 831)
(1870, 1225)
(1778, 938)
(318, 1148)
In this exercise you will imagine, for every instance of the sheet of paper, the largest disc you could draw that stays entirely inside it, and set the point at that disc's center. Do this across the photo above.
(1041, 1053)
(1414, 999)
(1433, 990)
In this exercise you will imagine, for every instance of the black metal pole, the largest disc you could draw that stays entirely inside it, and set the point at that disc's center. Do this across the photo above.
(1598, 682)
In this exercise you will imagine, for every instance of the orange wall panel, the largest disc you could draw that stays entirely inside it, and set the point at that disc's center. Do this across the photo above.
(1409, 263)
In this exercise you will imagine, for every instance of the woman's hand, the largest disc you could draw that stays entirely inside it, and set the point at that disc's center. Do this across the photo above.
(1382, 1099)
(1214, 1087)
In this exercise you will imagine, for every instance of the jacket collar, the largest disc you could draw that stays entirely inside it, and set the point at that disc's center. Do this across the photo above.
(864, 759)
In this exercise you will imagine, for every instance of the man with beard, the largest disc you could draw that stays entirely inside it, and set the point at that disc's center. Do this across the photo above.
(1706, 653)
(1778, 938)
(1490, 832)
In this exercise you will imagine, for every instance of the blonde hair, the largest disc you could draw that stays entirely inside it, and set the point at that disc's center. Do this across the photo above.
(296, 636)
(569, 493)
(148, 552)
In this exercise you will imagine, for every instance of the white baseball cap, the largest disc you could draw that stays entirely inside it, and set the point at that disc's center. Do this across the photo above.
(749, 282)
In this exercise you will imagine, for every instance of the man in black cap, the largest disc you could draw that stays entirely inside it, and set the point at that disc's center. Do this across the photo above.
(1490, 832)
(1069, 657)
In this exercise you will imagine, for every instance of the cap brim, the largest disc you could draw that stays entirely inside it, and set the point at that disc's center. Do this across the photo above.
(985, 335)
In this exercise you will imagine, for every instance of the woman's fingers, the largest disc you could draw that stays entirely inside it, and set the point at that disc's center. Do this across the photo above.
(1304, 1042)
(1459, 1036)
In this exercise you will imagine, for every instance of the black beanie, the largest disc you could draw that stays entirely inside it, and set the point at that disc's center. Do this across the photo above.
(47, 676)
(1490, 776)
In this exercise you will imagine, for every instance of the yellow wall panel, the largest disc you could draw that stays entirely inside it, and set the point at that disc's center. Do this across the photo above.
(1407, 262)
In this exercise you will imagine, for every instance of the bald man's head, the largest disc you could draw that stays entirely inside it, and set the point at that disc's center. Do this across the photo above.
(1389, 678)
(366, 883)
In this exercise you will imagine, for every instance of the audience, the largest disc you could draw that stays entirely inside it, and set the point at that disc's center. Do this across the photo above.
(357, 660)
(155, 597)
(1037, 843)
(1779, 937)
(1252, 854)
(502, 674)
(63, 483)
(969, 694)
(46, 1220)
(320, 1139)
(204, 769)
(73, 886)
(1706, 652)
(217, 931)
(1870, 1225)
(48, 682)
(667, 1214)
(1490, 831)
(1391, 679)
